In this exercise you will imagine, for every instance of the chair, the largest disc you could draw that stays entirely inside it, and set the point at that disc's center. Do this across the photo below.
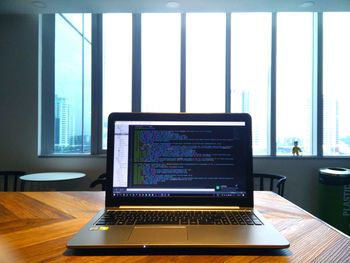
(100, 180)
(272, 177)
(14, 174)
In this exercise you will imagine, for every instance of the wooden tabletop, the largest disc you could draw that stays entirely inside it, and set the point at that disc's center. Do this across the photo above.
(35, 226)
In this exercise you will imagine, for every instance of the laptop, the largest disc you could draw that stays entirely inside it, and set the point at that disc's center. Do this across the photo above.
(179, 180)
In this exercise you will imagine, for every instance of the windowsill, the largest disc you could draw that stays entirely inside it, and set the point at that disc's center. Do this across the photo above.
(104, 155)
(307, 157)
(72, 155)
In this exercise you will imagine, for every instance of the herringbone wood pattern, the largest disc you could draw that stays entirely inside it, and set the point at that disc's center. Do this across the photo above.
(35, 226)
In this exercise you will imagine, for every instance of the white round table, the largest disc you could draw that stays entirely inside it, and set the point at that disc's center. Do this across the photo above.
(50, 177)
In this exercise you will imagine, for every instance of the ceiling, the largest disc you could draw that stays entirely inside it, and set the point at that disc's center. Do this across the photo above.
(137, 6)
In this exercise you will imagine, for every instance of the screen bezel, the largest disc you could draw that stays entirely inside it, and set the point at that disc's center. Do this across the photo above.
(114, 201)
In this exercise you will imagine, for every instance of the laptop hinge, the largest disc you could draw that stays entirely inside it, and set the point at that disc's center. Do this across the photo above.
(181, 207)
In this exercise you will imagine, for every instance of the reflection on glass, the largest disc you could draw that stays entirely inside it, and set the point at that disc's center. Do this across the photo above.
(87, 91)
(336, 83)
(72, 84)
(294, 82)
(117, 66)
(75, 20)
(161, 40)
(205, 62)
(250, 70)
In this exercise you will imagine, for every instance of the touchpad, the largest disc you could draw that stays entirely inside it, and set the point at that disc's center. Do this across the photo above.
(158, 234)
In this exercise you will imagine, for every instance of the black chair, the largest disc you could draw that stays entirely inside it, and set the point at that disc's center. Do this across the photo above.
(279, 179)
(100, 180)
(14, 174)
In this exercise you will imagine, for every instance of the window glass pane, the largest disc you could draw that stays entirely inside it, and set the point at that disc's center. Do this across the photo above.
(161, 40)
(294, 82)
(250, 71)
(87, 84)
(336, 83)
(75, 20)
(117, 66)
(205, 62)
(72, 85)
(87, 27)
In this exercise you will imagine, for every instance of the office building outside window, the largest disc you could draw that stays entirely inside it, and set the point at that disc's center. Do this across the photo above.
(250, 72)
(271, 70)
(294, 82)
(336, 84)
(72, 133)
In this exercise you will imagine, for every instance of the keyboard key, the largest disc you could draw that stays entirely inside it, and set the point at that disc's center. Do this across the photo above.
(179, 217)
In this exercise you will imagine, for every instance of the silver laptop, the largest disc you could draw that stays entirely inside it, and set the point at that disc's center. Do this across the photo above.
(179, 180)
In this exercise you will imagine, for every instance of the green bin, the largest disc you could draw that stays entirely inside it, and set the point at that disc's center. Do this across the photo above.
(334, 197)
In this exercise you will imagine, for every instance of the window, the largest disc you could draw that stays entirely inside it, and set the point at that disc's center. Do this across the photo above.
(336, 83)
(205, 62)
(117, 67)
(266, 64)
(161, 40)
(72, 124)
(294, 82)
(250, 72)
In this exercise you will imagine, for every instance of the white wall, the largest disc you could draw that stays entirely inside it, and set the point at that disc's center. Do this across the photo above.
(19, 123)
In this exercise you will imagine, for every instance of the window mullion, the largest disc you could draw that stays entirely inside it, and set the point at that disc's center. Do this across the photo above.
(273, 87)
(228, 63)
(183, 64)
(83, 84)
(319, 92)
(96, 89)
(136, 62)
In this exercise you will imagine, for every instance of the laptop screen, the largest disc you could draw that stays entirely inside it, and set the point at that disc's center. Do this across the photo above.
(163, 159)
(160, 156)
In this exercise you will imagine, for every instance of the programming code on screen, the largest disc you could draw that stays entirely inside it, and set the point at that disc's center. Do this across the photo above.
(184, 157)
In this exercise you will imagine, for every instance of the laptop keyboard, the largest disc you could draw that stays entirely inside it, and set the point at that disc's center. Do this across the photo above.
(178, 218)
